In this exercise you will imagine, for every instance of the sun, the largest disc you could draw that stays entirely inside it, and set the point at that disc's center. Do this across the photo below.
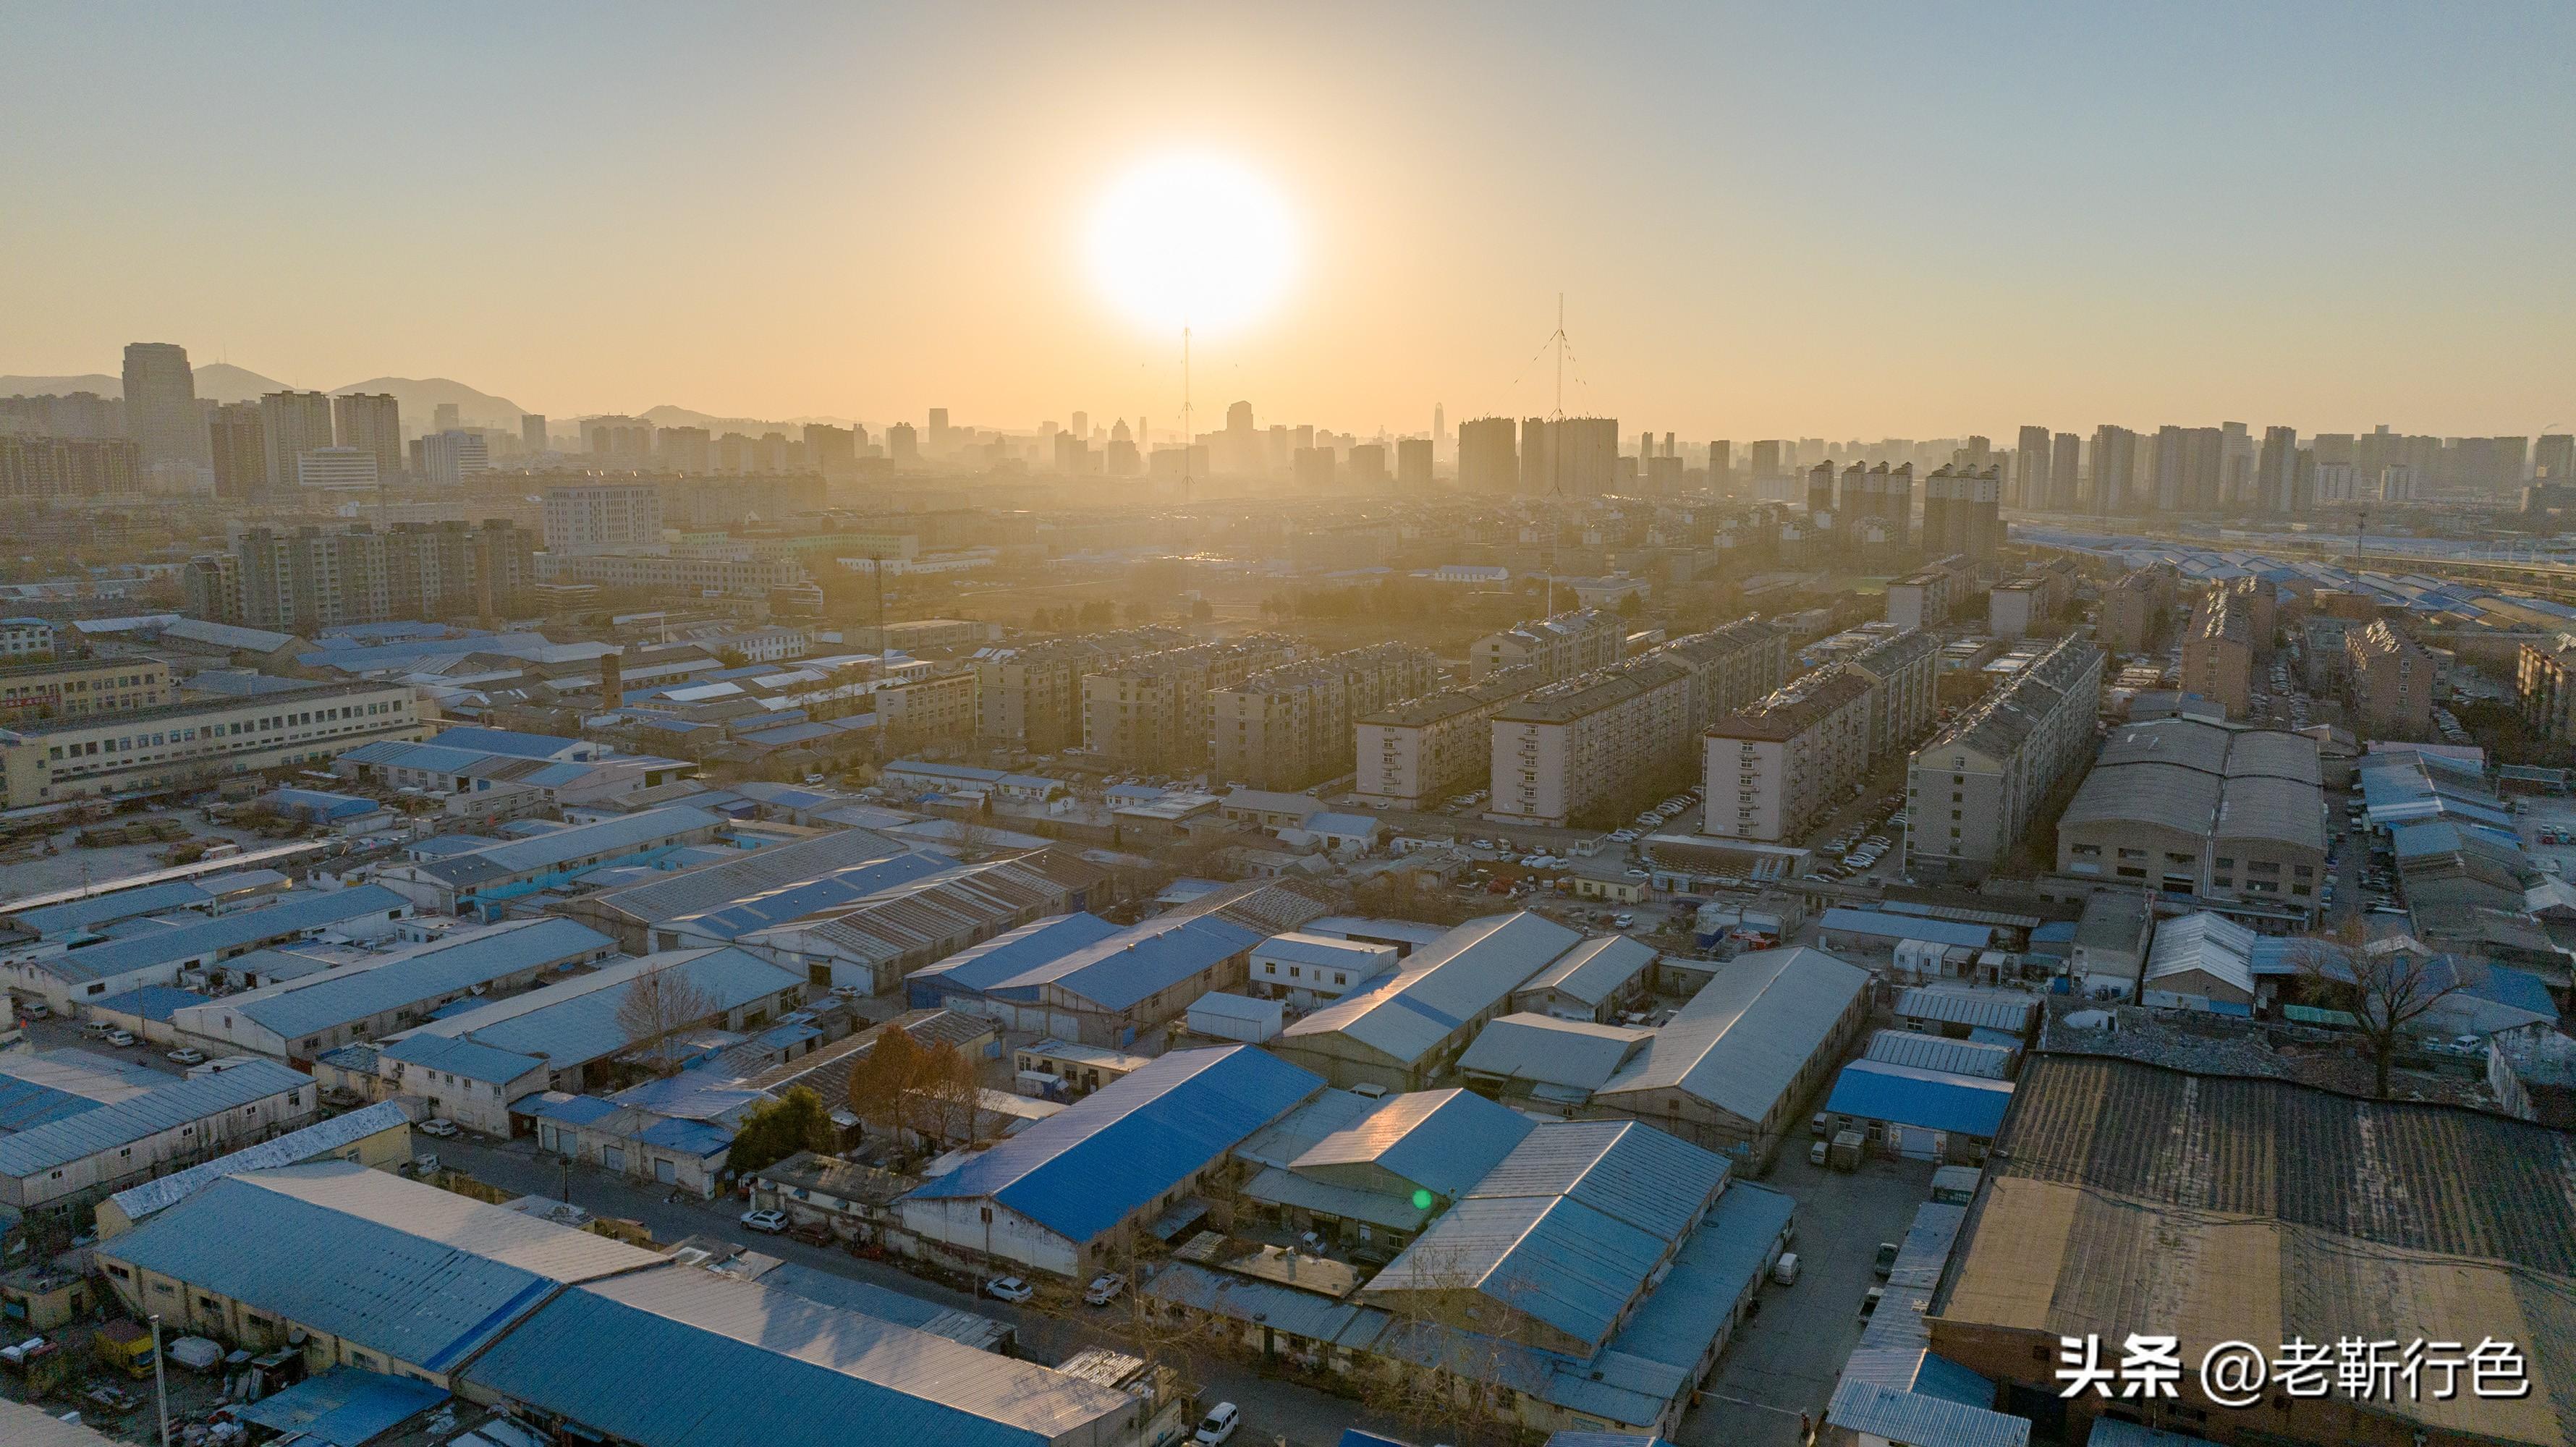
(1195, 241)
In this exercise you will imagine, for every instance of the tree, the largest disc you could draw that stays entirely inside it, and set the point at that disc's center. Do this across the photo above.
(2386, 985)
(901, 1087)
(777, 1129)
(1453, 1347)
(659, 1004)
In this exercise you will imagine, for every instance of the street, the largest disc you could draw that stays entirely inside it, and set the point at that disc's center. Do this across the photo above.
(1274, 1411)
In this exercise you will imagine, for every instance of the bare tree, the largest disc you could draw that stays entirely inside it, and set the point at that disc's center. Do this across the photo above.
(659, 1004)
(2387, 985)
(1452, 1353)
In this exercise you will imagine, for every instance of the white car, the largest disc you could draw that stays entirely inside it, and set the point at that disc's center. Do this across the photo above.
(1639, 874)
(120, 1038)
(767, 1223)
(1009, 1288)
(1217, 1427)
(185, 1056)
(1104, 1290)
(438, 1126)
(1623, 836)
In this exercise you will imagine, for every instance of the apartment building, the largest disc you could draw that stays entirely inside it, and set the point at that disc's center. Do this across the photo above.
(1559, 647)
(82, 688)
(603, 518)
(1972, 791)
(1153, 714)
(1772, 770)
(184, 744)
(2388, 681)
(1730, 667)
(2544, 679)
(1424, 750)
(2218, 650)
(1931, 595)
(2020, 606)
(2129, 609)
(1583, 745)
(743, 577)
(1286, 728)
(1905, 671)
(927, 706)
(313, 578)
(1032, 696)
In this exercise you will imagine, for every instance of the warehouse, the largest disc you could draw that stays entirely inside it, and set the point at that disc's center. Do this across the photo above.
(301, 1019)
(2197, 808)
(1736, 1064)
(1066, 1196)
(1402, 1032)
(1998, 1016)
(87, 1150)
(1308, 970)
(2200, 962)
(1595, 980)
(484, 881)
(629, 913)
(2121, 1191)
(1877, 932)
(378, 1136)
(1939, 1052)
(1546, 1061)
(572, 1025)
(874, 944)
(158, 957)
(1920, 1114)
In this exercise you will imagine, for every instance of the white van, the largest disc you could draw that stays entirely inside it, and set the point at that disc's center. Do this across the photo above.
(1785, 1270)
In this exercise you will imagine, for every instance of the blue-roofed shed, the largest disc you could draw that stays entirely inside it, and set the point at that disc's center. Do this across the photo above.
(1115, 1156)
(1930, 1100)
(319, 807)
(972, 970)
(1878, 929)
(343, 1407)
(147, 1002)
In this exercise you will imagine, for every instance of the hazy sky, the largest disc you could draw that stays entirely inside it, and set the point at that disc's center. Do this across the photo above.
(1912, 220)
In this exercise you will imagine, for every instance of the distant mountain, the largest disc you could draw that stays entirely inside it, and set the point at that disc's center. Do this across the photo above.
(216, 382)
(669, 416)
(224, 382)
(420, 397)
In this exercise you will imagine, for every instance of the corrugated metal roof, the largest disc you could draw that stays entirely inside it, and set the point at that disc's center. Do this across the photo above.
(1596, 969)
(979, 967)
(1577, 1054)
(150, 1002)
(292, 914)
(519, 745)
(464, 1059)
(25, 1426)
(37, 1086)
(422, 1275)
(1297, 947)
(1933, 1099)
(1882, 925)
(810, 896)
(1939, 1052)
(1741, 1041)
(1717, 1267)
(869, 1299)
(122, 1123)
(2210, 943)
(1442, 985)
(575, 1021)
(1441, 1140)
(624, 834)
(1922, 1421)
(292, 1148)
(305, 1007)
(1992, 1009)
(343, 1407)
(1135, 964)
(1080, 1172)
(99, 909)
(739, 1364)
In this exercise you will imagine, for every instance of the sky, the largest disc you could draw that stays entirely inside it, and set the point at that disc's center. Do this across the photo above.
(1844, 221)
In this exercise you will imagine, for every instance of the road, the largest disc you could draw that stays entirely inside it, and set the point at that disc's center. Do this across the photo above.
(1275, 1411)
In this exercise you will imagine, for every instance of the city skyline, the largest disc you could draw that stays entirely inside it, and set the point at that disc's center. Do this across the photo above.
(1766, 225)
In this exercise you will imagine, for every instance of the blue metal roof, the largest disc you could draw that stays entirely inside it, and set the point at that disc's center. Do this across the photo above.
(1442, 1140)
(293, 914)
(121, 1123)
(1933, 1099)
(152, 1002)
(1329, 823)
(738, 1364)
(462, 1058)
(344, 1407)
(98, 909)
(1080, 1172)
(1134, 964)
(316, 804)
(574, 1021)
(26, 1104)
(794, 901)
(1923, 1421)
(517, 745)
(1906, 927)
(438, 969)
(565, 1109)
(978, 967)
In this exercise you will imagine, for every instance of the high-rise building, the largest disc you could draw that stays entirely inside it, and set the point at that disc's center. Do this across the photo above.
(1413, 464)
(603, 518)
(372, 423)
(1313, 469)
(1488, 458)
(2235, 465)
(312, 579)
(834, 451)
(2030, 469)
(2115, 471)
(2554, 460)
(532, 432)
(336, 469)
(1721, 465)
(70, 469)
(295, 423)
(2276, 471)
(1766, 460)
(1586, 456)
(1366, 463)
(2065, 473)
(443, 418)
(940, 441)
(448, 458)
(689, 451)
(239, 450)
(903, 444)
(161, 407)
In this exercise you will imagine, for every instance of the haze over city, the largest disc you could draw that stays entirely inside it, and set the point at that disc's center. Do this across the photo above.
(1882, 221)
(1323, 725)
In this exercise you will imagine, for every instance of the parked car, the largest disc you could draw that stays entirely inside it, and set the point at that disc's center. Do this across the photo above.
(1218, 1426)
(1624, 921)
(185, 1056)
(120, 1038)
(1104, 1290)
(1869, 1303)
(1785, 1270)
(1817, 1153)
(439, 1126)
(1886, 1261)
(767, 1223)
(1639, 874)
(1010, 1289)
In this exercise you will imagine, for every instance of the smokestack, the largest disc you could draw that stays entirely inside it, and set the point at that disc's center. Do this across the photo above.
(612, 678)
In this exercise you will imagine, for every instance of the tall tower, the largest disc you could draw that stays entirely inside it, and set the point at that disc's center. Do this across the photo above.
(161, 407)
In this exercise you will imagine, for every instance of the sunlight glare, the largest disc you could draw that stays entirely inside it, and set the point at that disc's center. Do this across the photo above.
(1194, 241)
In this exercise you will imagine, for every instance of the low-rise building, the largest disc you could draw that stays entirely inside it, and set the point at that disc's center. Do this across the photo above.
(2388, 680)
(484, 881)
(80, 687)
(877, 942)
(2202, 810)
(376, 1136)
(189, 745)
(87, 1149)
(1308, 970)
(197, 951)
(1401, 1032)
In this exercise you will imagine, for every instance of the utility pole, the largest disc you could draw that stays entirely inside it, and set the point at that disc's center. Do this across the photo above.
(160, 1383)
